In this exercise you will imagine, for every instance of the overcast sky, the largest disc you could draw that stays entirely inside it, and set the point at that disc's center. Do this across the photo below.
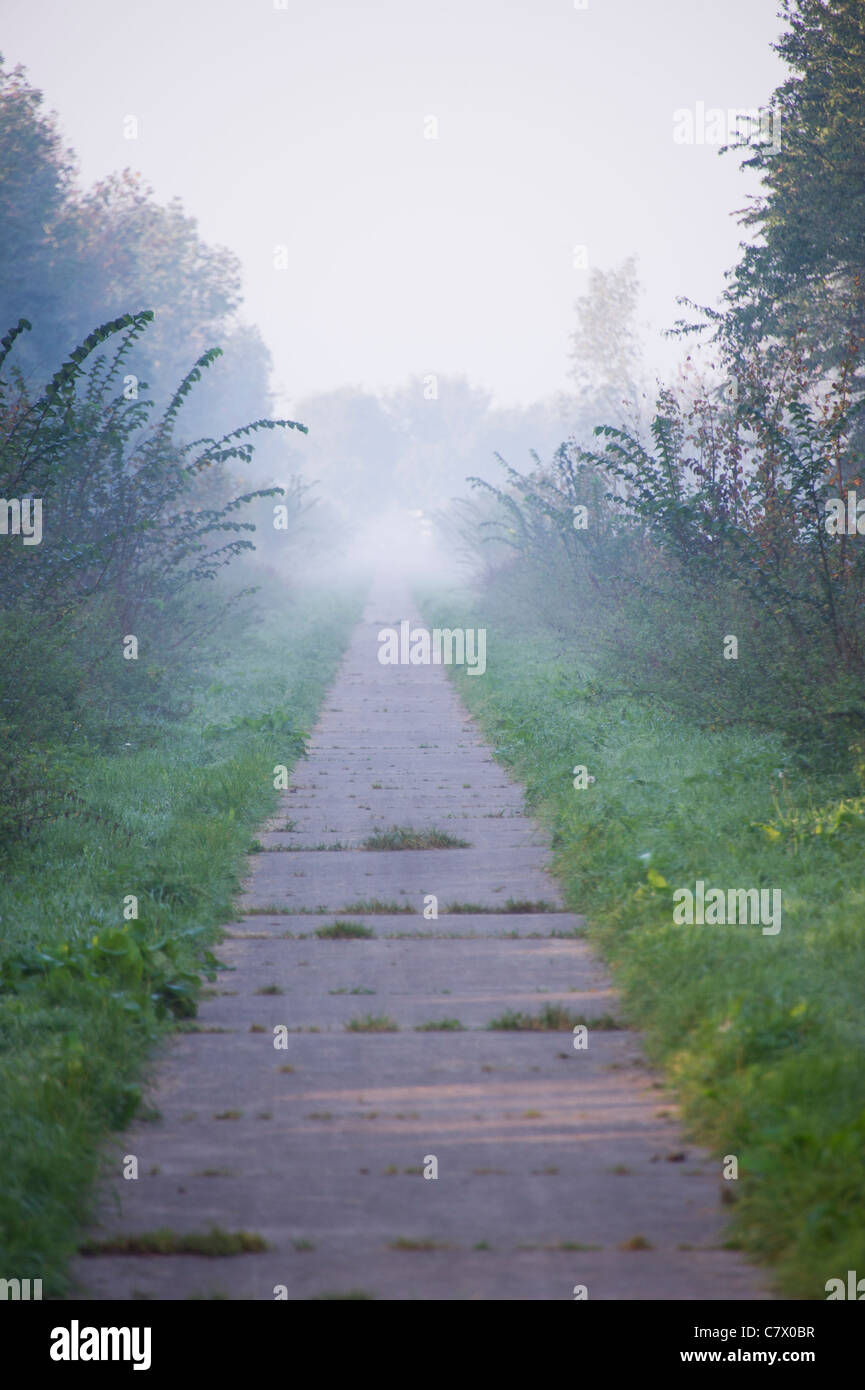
(307, 127)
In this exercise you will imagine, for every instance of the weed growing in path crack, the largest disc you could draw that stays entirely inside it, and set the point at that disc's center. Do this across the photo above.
(344, 931)
(321, 847)
(372, 1024)
(553, 1018)
(407, 1243)
(167, 1242)
(511, 905)
(440, 1025)
(376, 907)
(527, 905)
(405, 837)
(187, 1027)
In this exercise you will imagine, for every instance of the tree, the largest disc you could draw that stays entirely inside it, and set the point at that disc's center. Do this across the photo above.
(606, 351)
(351, 449)
(69, 259)
(36, 182)
(805, 273)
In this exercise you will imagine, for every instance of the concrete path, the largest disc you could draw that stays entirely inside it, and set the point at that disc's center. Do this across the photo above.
(556, 1167)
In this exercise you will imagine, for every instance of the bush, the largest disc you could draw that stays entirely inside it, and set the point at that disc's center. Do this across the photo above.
(125, 526)
(658, 552)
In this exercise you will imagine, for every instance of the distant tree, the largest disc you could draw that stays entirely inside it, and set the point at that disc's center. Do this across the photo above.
(441, 427)
(804, 274)
(36, 241)
(351, 449)
(134, 252)
(606, 351)
(69, 259)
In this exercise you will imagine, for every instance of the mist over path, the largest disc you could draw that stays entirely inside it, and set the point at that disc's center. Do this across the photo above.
(320, 1147)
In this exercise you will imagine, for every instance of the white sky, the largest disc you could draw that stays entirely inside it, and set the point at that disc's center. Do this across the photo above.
(304, 126)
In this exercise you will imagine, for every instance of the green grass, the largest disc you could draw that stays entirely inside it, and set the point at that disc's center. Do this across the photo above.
(377, 907)
(344, 931)
(517, 905)
(372, 1023)
(214, 1242)
(553, 1018)
(407, 1243)
(440, 1025)
(404, 837)
(84, 994)
(762, 1036)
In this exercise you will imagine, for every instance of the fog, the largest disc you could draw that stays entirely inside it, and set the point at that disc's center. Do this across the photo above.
(428, 488)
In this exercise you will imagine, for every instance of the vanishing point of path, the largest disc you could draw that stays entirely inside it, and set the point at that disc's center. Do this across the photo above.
(556, 1167)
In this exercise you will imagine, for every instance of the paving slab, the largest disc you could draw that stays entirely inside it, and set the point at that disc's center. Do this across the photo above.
(325, 1101)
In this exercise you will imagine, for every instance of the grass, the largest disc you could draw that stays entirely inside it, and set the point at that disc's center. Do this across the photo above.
(408, 1243)
(553, 1018)
(404, 837)
(377, 907)
(440, 1025)
(344, 931)
(372, 1023)
(517, 905)
(761, 1036)
(164, 1241)
(85, 995)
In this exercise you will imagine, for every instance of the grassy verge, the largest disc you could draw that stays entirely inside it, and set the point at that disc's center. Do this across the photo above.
(763, 1035)
(85, 992)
